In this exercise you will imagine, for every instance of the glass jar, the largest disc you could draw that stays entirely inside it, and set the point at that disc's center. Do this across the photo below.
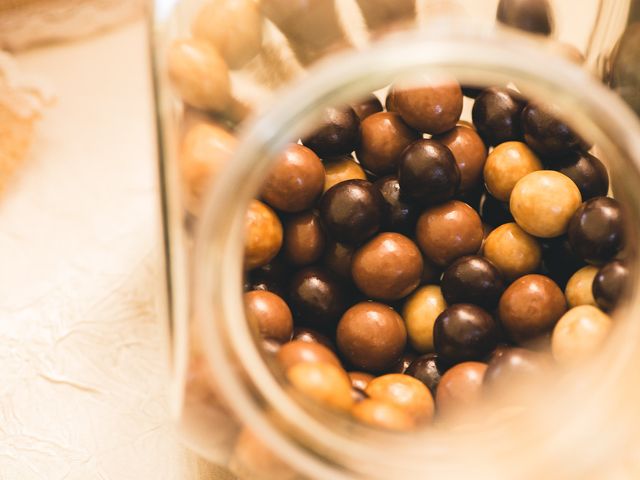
(232, 407)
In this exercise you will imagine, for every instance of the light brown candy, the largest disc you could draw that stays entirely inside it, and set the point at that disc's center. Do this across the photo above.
(405, 392)
(323, 382)
(263, 235)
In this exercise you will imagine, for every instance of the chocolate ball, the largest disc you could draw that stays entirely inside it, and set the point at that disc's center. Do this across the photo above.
(263, 235)
(272, 277)
(337, 258)
(506, 164)
(405, 392)
(296, 180)
(493, 211)
(425, 368)
(428, 172)
(530, 307)
(543, 202)
(378, 413)
(449, 231)
(384, 136)
(529, 15)
(371, 336)
(596, 230)
(337, 133)
(309, 335)
(399, 216)
(387, 267)
(472, 279)
(419, 313)
(512, 250)
(367, 106)
(352, 211)
(340, 169)
(428, 104)
(464, 332)
(304, 239)
(297, 351)
(514, 365)
(580, 333)
(609, 284)
(471, 91)
(496, 115)
(579, 289)
(469, 152)
(323, 382)
(360, 380)
(316, 298)
(460, 388)
(588, 173)
(269, 315)
(546, 134)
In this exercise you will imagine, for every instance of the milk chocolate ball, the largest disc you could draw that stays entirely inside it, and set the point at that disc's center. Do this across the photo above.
(579, 289)
(371, 336)
(383, 138)
(425, 368)
(316, 298)
(546, 134)
(596, 230)
(298, 351)
(496, 115)
(530, 307)
(296, 180)
(387, 267)
(428, 173)
(304, 239)
(352, 211)
(460, 388)
(514, 365)
(337, 258)
(506, 164)
(378, 413)
(360, 380)
(263, 235)
(367, 106)
(512, 250)
(340, 169)
(588, 173)
(405, 392)
(428, 104)
(529, 15)
(464, 332)
(609, 284)
(323, 382)
(543, 202)
(449, 231)
(580, 333)
(269, 315)
(472, 279)
(399, 215)
(469, 152)
(337, 134)
(419, 313)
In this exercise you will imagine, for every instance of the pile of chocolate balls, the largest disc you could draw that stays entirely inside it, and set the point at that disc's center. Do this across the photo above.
(400, 262)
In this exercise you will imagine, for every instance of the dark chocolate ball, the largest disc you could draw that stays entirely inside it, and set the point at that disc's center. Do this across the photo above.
(496, 115)
(609, 284)
(472, 279)
(513, 365)
(428, 173)
(546, 134)
(337, 134)
(471, 91)
(310, 335)
(529, 15)
(399, 216)
(352, 211)
(464, 332)
(493, 211)
(403, 363)
(367, 106)
(316, 298)
(588, 173)
(272, 277)
(425, 368)
(596, 230)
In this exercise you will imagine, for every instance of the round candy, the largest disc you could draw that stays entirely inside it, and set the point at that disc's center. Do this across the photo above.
(340, 169)
(472, 279)
(513, 365)
(449, 231)
(419, 313)
(548, 136)
(425, 369)
(387, 267)
(352, 211)
(269, 315)
(371, 336)
(512, 250)
(399, 216)
(506, 164)
(588, 173)
(304, 239)
(337, 134)
(378, 413)
(309, 335)
(530, 15)
(316, 298)
(596, 230)
(464, 332)
(469, 152)
(460, 388)
(579, 333)
(543, 202)
(530, 307)
(296, 180)
(404, 392)
(298, 351)
(496, 115)
(263, 235)
(609, 284)
(360, 380)
(427, 104)
(323, 382)
(367, 106)
(579, 289)
(337, 259)
(384, 136)
(428, 172)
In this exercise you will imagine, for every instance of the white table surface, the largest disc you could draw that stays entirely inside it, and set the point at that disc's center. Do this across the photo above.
(83, 379)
